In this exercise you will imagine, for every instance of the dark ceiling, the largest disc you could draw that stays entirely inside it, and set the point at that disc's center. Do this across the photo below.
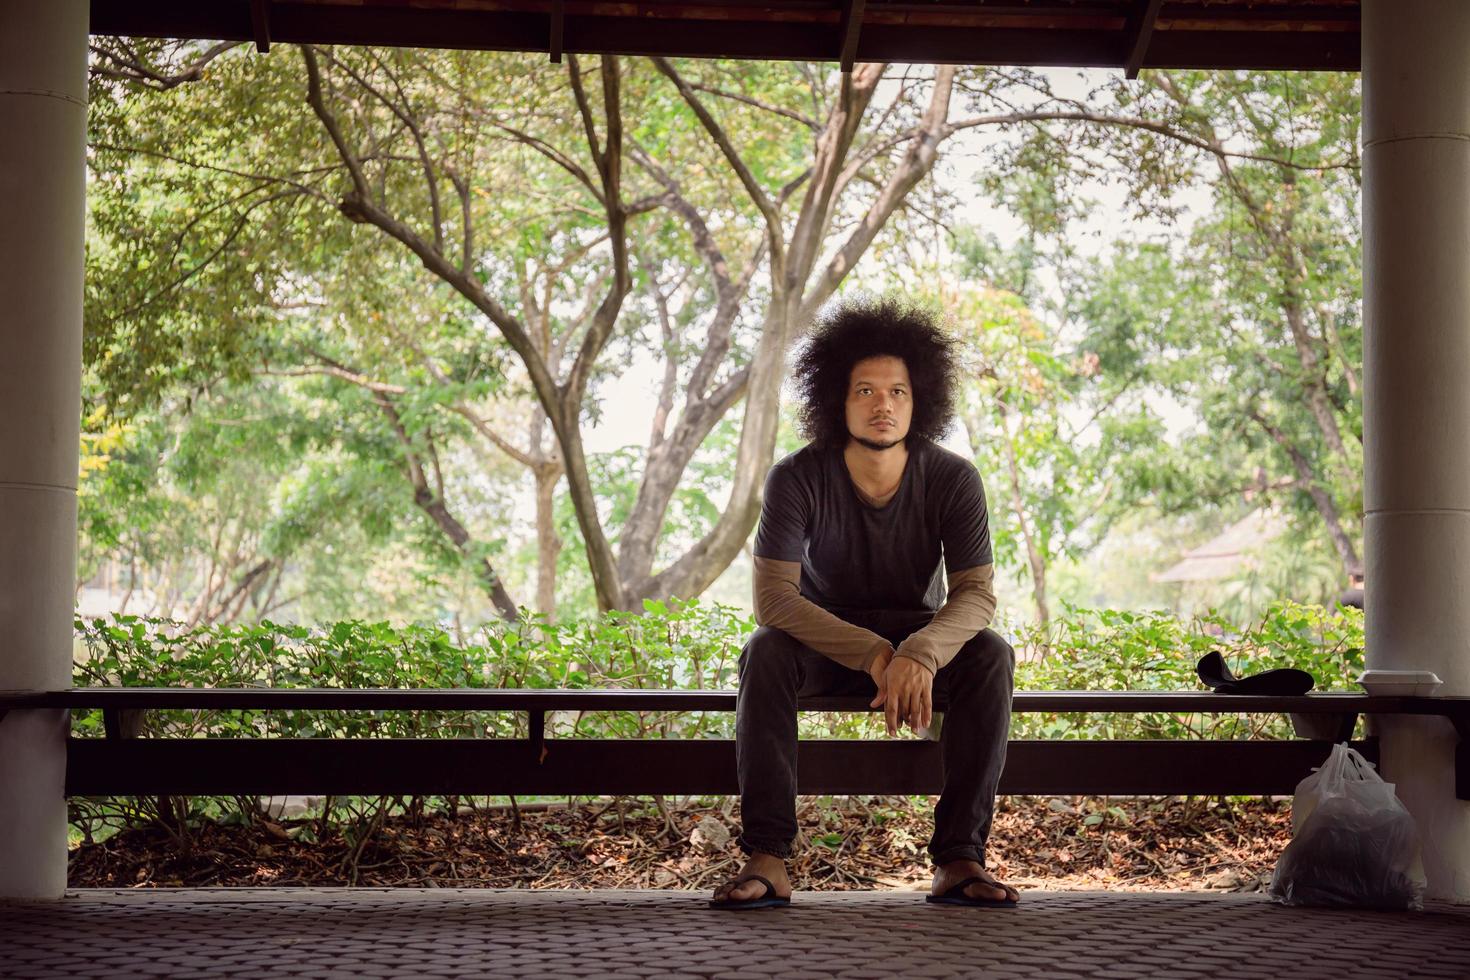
(1128, 34)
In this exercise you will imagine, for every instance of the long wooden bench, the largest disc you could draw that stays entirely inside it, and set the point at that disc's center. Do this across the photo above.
(539, 765)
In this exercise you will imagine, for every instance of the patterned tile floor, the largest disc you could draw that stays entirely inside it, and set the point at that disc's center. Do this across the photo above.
(357, 933)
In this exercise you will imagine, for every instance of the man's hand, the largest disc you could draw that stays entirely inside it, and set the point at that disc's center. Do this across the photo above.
(906, 692)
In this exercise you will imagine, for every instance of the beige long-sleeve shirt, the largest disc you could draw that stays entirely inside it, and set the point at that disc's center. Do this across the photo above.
(969, 607)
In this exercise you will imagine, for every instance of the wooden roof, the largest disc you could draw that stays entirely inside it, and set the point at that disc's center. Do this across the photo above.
(1128, 34)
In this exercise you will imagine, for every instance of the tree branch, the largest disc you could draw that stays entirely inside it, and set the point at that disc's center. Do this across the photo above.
(467, 250)
(610, 162)
(148, 77)
(584, 109)
(306, 189)
(204, 263)
(1326, 507)
(917, 161)
(1135, 122)
(437, 510)
(555, 156)
(332, 370)
(703, 240)
(430, 181)
(833, 146)
(774, 232)
(501, 443)
(807, 121)
(359, 207)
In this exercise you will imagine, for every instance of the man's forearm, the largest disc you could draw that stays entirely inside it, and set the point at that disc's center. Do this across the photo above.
(969, 608)
(780, 604)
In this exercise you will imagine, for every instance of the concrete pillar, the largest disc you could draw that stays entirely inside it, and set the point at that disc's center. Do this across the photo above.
(43, 116)
(1416, 396)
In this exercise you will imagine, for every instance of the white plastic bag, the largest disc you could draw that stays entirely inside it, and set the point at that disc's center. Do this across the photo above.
(1354, 844)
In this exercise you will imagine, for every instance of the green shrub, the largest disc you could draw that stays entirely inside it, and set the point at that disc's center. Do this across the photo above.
(692, 645)
(687, 645)
(1114, 650)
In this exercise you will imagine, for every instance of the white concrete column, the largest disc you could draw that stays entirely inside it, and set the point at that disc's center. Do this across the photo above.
(1416, 400)
(43, 116)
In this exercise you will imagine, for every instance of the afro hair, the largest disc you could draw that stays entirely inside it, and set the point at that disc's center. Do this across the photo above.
(853, 331)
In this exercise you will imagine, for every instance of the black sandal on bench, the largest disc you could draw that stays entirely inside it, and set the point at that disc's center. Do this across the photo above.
(1284, 681)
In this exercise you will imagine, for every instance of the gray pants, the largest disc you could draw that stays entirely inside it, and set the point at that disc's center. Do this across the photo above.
(776, 669)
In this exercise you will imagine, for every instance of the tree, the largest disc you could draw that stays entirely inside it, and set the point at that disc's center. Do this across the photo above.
(416, 147)
(476, 242)
(1058, 443)
(1262, 334)
(232, 507)
(796, 274)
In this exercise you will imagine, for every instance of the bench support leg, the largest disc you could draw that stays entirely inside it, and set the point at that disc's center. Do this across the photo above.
(536, 732)
(1462, 771)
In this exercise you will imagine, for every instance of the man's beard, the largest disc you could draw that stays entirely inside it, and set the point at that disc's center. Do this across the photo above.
(875, 444)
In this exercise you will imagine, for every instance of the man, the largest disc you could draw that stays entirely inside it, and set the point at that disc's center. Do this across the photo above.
(856, 534)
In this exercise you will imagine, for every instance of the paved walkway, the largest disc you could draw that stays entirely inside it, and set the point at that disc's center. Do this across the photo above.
(417, 934)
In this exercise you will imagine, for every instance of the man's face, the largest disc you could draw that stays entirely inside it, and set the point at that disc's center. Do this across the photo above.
(880, 402)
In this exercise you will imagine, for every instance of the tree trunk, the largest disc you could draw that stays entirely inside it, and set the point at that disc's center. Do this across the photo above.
(1314, 387)
(698, 568)
(1351, 564)
(1034, 556)
(548, 542)
(434, 506)
(455, 531)
(662, 470)
(799, 290)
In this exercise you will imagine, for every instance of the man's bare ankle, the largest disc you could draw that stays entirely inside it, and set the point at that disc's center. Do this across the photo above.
(762, 859)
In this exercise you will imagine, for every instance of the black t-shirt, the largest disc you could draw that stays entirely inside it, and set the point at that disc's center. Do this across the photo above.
(858, 557)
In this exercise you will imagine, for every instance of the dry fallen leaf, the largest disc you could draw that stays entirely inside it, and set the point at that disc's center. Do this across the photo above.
(1159, 844)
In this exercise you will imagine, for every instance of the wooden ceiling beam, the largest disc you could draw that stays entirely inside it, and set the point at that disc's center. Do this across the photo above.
(592, 31)
(558, 22)
(260, 24)
(851, 26)
(1139, 32)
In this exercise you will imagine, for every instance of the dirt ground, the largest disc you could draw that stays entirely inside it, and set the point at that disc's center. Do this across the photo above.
(846, 843)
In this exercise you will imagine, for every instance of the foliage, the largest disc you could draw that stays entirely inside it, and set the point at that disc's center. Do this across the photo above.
(1118, 650)
(186, 255)
(1056, 443)
(686, 645)
(1249, 316)
(449, 231)
(244, 503)
(689, 645)
(481, 243)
